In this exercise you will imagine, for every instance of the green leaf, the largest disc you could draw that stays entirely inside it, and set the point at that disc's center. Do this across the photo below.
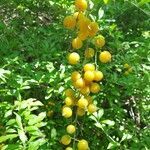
(126, 136)
(97, 124)
(3, 74)
(99, 114)
(53, 133)
(105, 1)
(40, 124)
(22, 136)
(112, 145)
(11, 131)
(11, 122)
(100, 13)
(31, 128)
(109, 122)
(14, 146)
(39, 118)
(142, 2)
(6, 137)
(18, 120)
(8, 113)
(35, 145)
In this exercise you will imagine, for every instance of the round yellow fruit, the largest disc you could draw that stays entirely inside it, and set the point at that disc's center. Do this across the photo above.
(126, 72)
(126, 66)
(93, 29)
(66, 112)
(69, 148)
(92, 108)
(87, 83)
(73, 58)
(75, 76)
(105, 57)
(81, 5)
(94, 88)
(90, 99)
(99, 41)
(77, 43)
(85, 90)
(66, 140)
(82, 145)
(83, 35)
(71, 129)
(89, 67)
(69, 93)
(80, 83)
(80, 111)
(69, 22)
(50, 113)
(83, 24)
(89, 53)
(89, 76)
(82, 103)
(69, 101)
(98, 75)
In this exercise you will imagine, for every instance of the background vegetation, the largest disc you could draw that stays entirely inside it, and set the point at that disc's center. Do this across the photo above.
(34, 72)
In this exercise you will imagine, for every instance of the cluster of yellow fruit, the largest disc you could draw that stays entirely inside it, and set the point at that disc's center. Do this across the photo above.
(85, 81)
(128, 69)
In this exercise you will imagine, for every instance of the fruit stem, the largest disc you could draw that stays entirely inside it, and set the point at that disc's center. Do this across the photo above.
(74, 138)
(96, 60)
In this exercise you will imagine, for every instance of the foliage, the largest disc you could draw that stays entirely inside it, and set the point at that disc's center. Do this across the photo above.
(34, 72)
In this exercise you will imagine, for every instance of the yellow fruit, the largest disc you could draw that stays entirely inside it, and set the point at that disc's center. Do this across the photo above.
(89, 53)
(92, 108)
(67, 112)
(126, 73)
(66, 140)
(99, 41)
(85, 90)
(69, 101)
(87, 83)
(50, 113)
(77, 43)
(81, 5)
(93, 29)
(80, 111)
(126, 66)
(105, 57)
(51, 103)
(71, 129)
(73, 58)
(90, 99)
(98, 75)
(69, 22)
(89, 67)
(82, 145)
(94, 88)
(82, 103)
(130, 70)
(75, 76)
(89, 76)
(83, 24)
(69, 148)
(80, 83)
(83, 35)
(69, 93)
